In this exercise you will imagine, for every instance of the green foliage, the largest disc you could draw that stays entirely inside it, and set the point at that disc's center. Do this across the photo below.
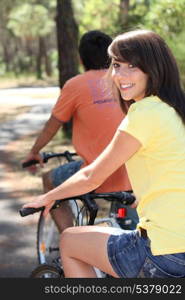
(167, 17)
(97, 14)
(138, 9)
(177, 46)
(49, 4)
(27, 21)
(104, 15)
(53, 54)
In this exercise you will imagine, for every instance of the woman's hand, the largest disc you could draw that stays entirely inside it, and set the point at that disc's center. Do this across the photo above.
(41, 201)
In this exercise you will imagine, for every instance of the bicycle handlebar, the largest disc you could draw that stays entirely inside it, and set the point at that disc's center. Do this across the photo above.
(88, 199)
(25, 211)
(125, 198)
(29, 211)
(47, 155)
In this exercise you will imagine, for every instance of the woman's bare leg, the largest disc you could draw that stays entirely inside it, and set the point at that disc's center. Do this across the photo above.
(83, 247)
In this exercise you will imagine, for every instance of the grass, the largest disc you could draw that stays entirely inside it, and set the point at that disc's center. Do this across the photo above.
(26, 81)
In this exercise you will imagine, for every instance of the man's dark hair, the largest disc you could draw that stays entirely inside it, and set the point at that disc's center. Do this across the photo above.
(93, 50)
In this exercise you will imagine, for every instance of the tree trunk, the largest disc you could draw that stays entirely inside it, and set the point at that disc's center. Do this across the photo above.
(48, 67)
(67, 38)
(42, 58)
(39, 58)
(124, 13)
(7, 59)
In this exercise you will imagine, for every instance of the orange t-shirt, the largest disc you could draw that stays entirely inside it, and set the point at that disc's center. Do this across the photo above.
(96, 115)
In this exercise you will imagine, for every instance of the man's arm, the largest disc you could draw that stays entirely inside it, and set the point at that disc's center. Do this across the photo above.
(48, 132)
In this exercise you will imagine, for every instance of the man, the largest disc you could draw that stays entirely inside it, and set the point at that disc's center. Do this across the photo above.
(86, 99)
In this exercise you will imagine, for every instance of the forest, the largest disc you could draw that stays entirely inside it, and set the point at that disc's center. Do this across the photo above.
(40, 37)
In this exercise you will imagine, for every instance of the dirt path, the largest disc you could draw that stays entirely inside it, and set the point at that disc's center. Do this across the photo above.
(17, 235)
(19, 125)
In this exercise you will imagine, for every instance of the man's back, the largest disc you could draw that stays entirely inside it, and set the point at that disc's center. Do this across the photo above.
(87, 99)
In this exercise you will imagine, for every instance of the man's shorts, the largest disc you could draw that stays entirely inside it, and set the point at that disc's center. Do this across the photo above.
(131, 257)
(63, 172)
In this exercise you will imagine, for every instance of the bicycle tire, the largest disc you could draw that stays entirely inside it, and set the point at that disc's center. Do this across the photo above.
(47, 271)
(47, 243)
(82, 216)
(47, 240)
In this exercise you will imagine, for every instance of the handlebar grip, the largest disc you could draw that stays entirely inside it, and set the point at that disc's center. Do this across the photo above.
(129, 200)
(25, 211)
(30, 163)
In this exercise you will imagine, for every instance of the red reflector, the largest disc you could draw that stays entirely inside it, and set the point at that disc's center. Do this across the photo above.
(122, 212)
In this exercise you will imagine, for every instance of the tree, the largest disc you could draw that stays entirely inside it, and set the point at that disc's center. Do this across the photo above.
(26, 22)
(97, 14)
(123, 13)
(67, 37)
(168, 19)
(6, 6)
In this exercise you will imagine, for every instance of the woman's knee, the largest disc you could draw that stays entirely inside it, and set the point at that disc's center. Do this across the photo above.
(66, 240)
(70, 238)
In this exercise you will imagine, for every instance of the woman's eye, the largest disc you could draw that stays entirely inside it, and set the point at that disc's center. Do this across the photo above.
(131, 66)
(116, 65)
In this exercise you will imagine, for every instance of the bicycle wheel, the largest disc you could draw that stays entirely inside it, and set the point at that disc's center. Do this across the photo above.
(48, 235)
(47, 240)
(47, 271)
(80, 213)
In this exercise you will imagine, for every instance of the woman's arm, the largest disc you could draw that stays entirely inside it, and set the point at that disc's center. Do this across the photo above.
(120, 149)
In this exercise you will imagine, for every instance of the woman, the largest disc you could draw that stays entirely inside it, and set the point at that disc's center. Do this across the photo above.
(151, 141)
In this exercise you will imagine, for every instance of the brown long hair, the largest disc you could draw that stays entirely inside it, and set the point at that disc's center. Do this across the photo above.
(149, 52)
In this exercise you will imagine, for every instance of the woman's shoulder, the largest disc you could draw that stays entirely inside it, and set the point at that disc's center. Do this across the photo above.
(144, 106)
(151, 105)
(151, 110)
(146, 103)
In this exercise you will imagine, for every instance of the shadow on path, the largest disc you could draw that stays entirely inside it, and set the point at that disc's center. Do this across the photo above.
(18, 258)
(18, 235)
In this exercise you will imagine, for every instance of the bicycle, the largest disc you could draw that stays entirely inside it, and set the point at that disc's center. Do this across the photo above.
(85, 210)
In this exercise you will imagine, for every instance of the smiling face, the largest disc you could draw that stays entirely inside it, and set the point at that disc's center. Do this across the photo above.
(130, 80)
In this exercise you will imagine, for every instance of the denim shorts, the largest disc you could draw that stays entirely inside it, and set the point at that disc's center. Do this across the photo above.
(63, 172)
(130, 257)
